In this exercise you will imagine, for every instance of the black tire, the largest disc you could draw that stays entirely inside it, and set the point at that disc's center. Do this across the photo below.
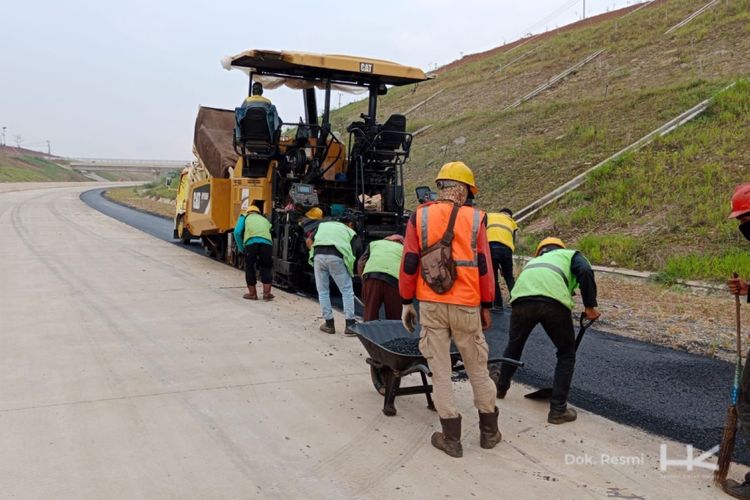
(182, 231)
(376, 374)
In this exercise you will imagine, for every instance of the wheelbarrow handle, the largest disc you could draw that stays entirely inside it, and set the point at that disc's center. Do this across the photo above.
(509, 361)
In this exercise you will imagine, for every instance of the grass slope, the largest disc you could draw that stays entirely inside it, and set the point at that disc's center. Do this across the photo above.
(664, 208)
(26, 166)
(643, 79)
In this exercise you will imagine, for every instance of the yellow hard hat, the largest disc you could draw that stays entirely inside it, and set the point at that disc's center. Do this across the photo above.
(314, 213)
(548, 241)
(458, 171)
(253, 209)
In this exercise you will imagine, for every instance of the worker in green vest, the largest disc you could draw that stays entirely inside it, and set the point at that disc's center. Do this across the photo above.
(379, 267)
(501, 231)
(332, 256)
(252, 235)
(543, 294)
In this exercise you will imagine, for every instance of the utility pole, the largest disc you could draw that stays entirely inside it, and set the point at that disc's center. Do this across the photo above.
(4, 128)
(48, 148)
(584, 9)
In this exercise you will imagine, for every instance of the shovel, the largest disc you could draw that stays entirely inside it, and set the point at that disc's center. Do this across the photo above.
(546, 392)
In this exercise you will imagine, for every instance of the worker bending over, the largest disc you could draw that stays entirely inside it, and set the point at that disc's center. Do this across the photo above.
(252, 234)
(379, 267)
(332, 256)
(501, 231)
(543, 294)
(454, 302)
(738, 286)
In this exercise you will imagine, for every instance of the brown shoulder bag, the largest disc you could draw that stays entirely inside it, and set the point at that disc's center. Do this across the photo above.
(438, 266)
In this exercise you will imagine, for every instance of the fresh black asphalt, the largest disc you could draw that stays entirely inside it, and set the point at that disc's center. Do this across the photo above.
(664, 391)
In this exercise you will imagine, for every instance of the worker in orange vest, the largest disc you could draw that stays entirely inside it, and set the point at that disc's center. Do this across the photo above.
(449, 273)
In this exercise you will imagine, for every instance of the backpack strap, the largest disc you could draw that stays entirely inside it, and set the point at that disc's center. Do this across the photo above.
(448, 235)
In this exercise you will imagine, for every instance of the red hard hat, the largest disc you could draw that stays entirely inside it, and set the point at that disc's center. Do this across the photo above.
(740, 200)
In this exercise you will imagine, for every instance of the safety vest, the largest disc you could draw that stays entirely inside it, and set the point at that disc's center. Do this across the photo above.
(385, 257)
(548, 275)
(335, 234)
(256, 226)
(500, 229)
(432, 221)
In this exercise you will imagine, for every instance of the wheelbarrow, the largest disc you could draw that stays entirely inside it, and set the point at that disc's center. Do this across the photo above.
(388, 367)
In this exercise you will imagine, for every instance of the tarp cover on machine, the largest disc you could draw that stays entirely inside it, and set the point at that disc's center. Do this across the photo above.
(214, 129)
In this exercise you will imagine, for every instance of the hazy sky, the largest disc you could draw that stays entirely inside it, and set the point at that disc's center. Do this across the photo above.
(125, 79)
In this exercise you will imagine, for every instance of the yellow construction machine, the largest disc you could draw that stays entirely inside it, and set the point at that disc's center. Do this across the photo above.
(245, 158)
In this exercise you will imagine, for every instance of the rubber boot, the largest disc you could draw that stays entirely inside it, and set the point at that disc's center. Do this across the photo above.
(252, 293)
(349, 332)
(561, 417)
(737, 490)
(489, 435)
(450, 439)
(267, 295)
(328, 326)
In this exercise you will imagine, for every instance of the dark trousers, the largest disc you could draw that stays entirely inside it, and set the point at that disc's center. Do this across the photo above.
(263, 255)
(377, 292)
(558, 323)
(743, 403)
(502, 259)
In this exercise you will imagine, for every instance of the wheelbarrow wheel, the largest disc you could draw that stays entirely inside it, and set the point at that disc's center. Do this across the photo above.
(378, 379)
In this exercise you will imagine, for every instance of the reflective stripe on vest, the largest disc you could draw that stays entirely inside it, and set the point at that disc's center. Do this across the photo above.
(548, 275)
(332, 233)
(385, 257)
(474, 234)
(500, 229)
(432, 221)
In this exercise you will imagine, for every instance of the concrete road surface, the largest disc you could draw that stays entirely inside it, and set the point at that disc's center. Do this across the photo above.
(132, 368)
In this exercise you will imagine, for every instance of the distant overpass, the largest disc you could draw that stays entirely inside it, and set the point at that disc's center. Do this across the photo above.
(126, 164)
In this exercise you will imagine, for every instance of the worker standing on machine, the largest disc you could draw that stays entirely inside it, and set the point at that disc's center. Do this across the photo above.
(544, 294)
(379, 268)
(501, 231)
(332, 256)
(446, 268)
(252, 234)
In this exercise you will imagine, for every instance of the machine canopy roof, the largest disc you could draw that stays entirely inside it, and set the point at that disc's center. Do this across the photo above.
(349, 70)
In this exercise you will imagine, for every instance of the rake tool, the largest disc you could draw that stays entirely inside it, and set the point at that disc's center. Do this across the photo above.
(730, 424)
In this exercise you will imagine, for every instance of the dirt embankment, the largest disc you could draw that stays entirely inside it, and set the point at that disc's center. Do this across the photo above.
(589, 21)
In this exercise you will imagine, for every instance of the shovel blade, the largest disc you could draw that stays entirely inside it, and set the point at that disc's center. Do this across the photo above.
(543, 393)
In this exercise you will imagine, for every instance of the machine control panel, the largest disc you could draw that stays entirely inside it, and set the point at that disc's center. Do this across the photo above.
(303, 194)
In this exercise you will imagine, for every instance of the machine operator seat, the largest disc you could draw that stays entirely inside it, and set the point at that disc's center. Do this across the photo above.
(391, 139)
(254, 133)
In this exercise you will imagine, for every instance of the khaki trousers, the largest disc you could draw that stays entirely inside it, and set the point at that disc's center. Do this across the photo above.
(441, 322)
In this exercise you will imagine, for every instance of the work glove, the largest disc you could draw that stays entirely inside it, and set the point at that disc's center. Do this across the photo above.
(486, 319)
(409, 317)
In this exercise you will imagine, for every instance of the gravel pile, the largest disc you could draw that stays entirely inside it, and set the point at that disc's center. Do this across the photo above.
(404, 345)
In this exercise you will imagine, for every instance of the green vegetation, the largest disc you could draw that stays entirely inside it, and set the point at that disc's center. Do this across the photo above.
(664, 208)
(164, 187)
(650, 209)
(29, 168)
(134, 197)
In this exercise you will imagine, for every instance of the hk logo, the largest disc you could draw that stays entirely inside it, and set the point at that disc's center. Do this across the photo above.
(690, 461)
